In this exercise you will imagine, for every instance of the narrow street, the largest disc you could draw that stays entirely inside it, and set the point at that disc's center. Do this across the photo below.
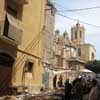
(49, 49)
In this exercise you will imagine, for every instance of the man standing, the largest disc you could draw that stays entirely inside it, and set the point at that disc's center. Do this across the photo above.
(68, 88)
(93, 95)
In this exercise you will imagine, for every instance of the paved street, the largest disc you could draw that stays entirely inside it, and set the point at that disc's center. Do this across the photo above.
(49, 50)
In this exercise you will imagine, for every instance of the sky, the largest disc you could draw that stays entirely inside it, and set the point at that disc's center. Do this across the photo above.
(92, 34)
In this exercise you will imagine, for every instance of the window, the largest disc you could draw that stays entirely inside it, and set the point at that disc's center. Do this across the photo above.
(29, 67)
(6, 27)
(93, 56)
(80, 34)
(75, 34)
(79, 51)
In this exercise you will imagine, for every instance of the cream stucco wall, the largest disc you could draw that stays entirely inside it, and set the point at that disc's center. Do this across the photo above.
(6, 45)
(32, 25)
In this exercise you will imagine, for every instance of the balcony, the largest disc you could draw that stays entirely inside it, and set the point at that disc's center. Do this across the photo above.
(9, 30)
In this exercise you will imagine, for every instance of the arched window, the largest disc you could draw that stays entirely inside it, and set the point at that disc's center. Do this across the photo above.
(92, 56)
(6, 27)
(75, 34)
(80, 34)
(29, 66)
(55, 81)
(79, 51)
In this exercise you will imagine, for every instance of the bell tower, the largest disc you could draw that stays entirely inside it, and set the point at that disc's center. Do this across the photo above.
(78, 34)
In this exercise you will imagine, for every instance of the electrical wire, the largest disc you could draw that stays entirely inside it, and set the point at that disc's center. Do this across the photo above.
(76, 9)
(79, 9)
(78, 20)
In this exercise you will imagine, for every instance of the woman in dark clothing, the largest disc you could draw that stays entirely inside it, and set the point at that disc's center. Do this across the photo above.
(94, 93)
(68, 88)
(60, 83)
(77, 90)
(54, 81)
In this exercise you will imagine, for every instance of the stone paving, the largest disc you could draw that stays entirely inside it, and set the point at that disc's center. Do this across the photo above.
(57, 94)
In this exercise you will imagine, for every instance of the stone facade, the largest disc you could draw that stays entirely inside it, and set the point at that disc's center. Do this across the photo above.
(35, 53)
(28, 70)
(78, 34)
(72, 53)
(49, 31)
(85, 51)
(48, 43)
(8, 47)
(23, 40)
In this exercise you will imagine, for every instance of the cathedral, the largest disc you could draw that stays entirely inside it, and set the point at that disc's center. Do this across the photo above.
(85, 51)
(71, 54)
(77, 46)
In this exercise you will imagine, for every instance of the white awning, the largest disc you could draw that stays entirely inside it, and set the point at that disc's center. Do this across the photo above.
(62, 72)
(85, 70)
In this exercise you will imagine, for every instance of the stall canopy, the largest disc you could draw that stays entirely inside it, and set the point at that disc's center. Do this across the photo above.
(85, 70)
(62, 72)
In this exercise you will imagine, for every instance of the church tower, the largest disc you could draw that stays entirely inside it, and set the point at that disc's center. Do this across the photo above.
(78, 34)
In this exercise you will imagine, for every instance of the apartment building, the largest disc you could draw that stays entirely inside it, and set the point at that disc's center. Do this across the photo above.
(21, 44)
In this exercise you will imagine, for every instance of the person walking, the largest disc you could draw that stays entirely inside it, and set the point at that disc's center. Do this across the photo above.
(68, 88)
(60, 82)
(78, 90)
(54, 81)
(93, 95)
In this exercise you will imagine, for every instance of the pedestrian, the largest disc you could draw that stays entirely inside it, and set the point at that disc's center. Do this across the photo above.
(79, 89)
(93, 95)
(60, 82)
(10, 98)
(68, 88)
(54, 81)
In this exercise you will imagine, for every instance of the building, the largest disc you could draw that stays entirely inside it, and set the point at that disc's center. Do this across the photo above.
(59, 49)
(48, 41)
(86, 51)
(66, 62)
(49, 31)
(30, 54)
(9, 41)
(21, 44)
(71, 54)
